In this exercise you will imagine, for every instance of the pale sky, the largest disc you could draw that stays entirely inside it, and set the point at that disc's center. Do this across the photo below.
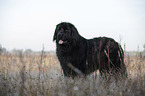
(30, 24)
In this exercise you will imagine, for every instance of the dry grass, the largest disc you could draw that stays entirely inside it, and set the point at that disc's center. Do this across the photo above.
(41, 75)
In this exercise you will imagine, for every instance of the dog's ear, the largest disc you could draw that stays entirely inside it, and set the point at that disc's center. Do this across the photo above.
(75, 33)
(54, 36)
(55, 33)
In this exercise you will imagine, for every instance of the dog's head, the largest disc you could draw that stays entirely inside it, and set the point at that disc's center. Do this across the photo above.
(65, 33)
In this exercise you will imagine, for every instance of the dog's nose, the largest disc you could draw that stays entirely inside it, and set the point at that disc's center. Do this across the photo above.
(59, 35)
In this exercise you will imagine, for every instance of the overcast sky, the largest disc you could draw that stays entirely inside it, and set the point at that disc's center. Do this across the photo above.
(30, 24)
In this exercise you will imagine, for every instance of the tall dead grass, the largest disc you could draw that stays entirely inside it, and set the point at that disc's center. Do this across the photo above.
(41, 75)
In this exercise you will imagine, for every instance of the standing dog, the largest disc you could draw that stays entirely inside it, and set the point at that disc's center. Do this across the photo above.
(80, 56)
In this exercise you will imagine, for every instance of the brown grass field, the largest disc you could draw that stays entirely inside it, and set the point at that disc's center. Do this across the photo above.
(41, 75)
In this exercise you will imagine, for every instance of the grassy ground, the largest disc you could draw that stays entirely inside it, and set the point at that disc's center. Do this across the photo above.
(41, 75)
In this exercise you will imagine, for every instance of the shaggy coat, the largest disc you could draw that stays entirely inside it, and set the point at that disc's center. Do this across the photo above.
(80, 56)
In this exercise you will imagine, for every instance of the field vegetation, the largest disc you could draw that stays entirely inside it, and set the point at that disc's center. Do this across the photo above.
(31, 74)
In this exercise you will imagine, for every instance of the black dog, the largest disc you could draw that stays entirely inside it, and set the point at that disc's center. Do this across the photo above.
(79, 56)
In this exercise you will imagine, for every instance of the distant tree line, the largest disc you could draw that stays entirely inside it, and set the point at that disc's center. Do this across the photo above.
(15, 51)
(2, 50)
(144, 47)
(18, 51)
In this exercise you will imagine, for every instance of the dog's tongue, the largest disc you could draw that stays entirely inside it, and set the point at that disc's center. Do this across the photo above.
(60, 42)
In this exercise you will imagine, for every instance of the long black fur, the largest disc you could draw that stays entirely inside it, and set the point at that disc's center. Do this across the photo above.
(87, 55)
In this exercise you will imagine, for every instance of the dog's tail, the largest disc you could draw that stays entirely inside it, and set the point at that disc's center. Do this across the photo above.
(123, 67)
